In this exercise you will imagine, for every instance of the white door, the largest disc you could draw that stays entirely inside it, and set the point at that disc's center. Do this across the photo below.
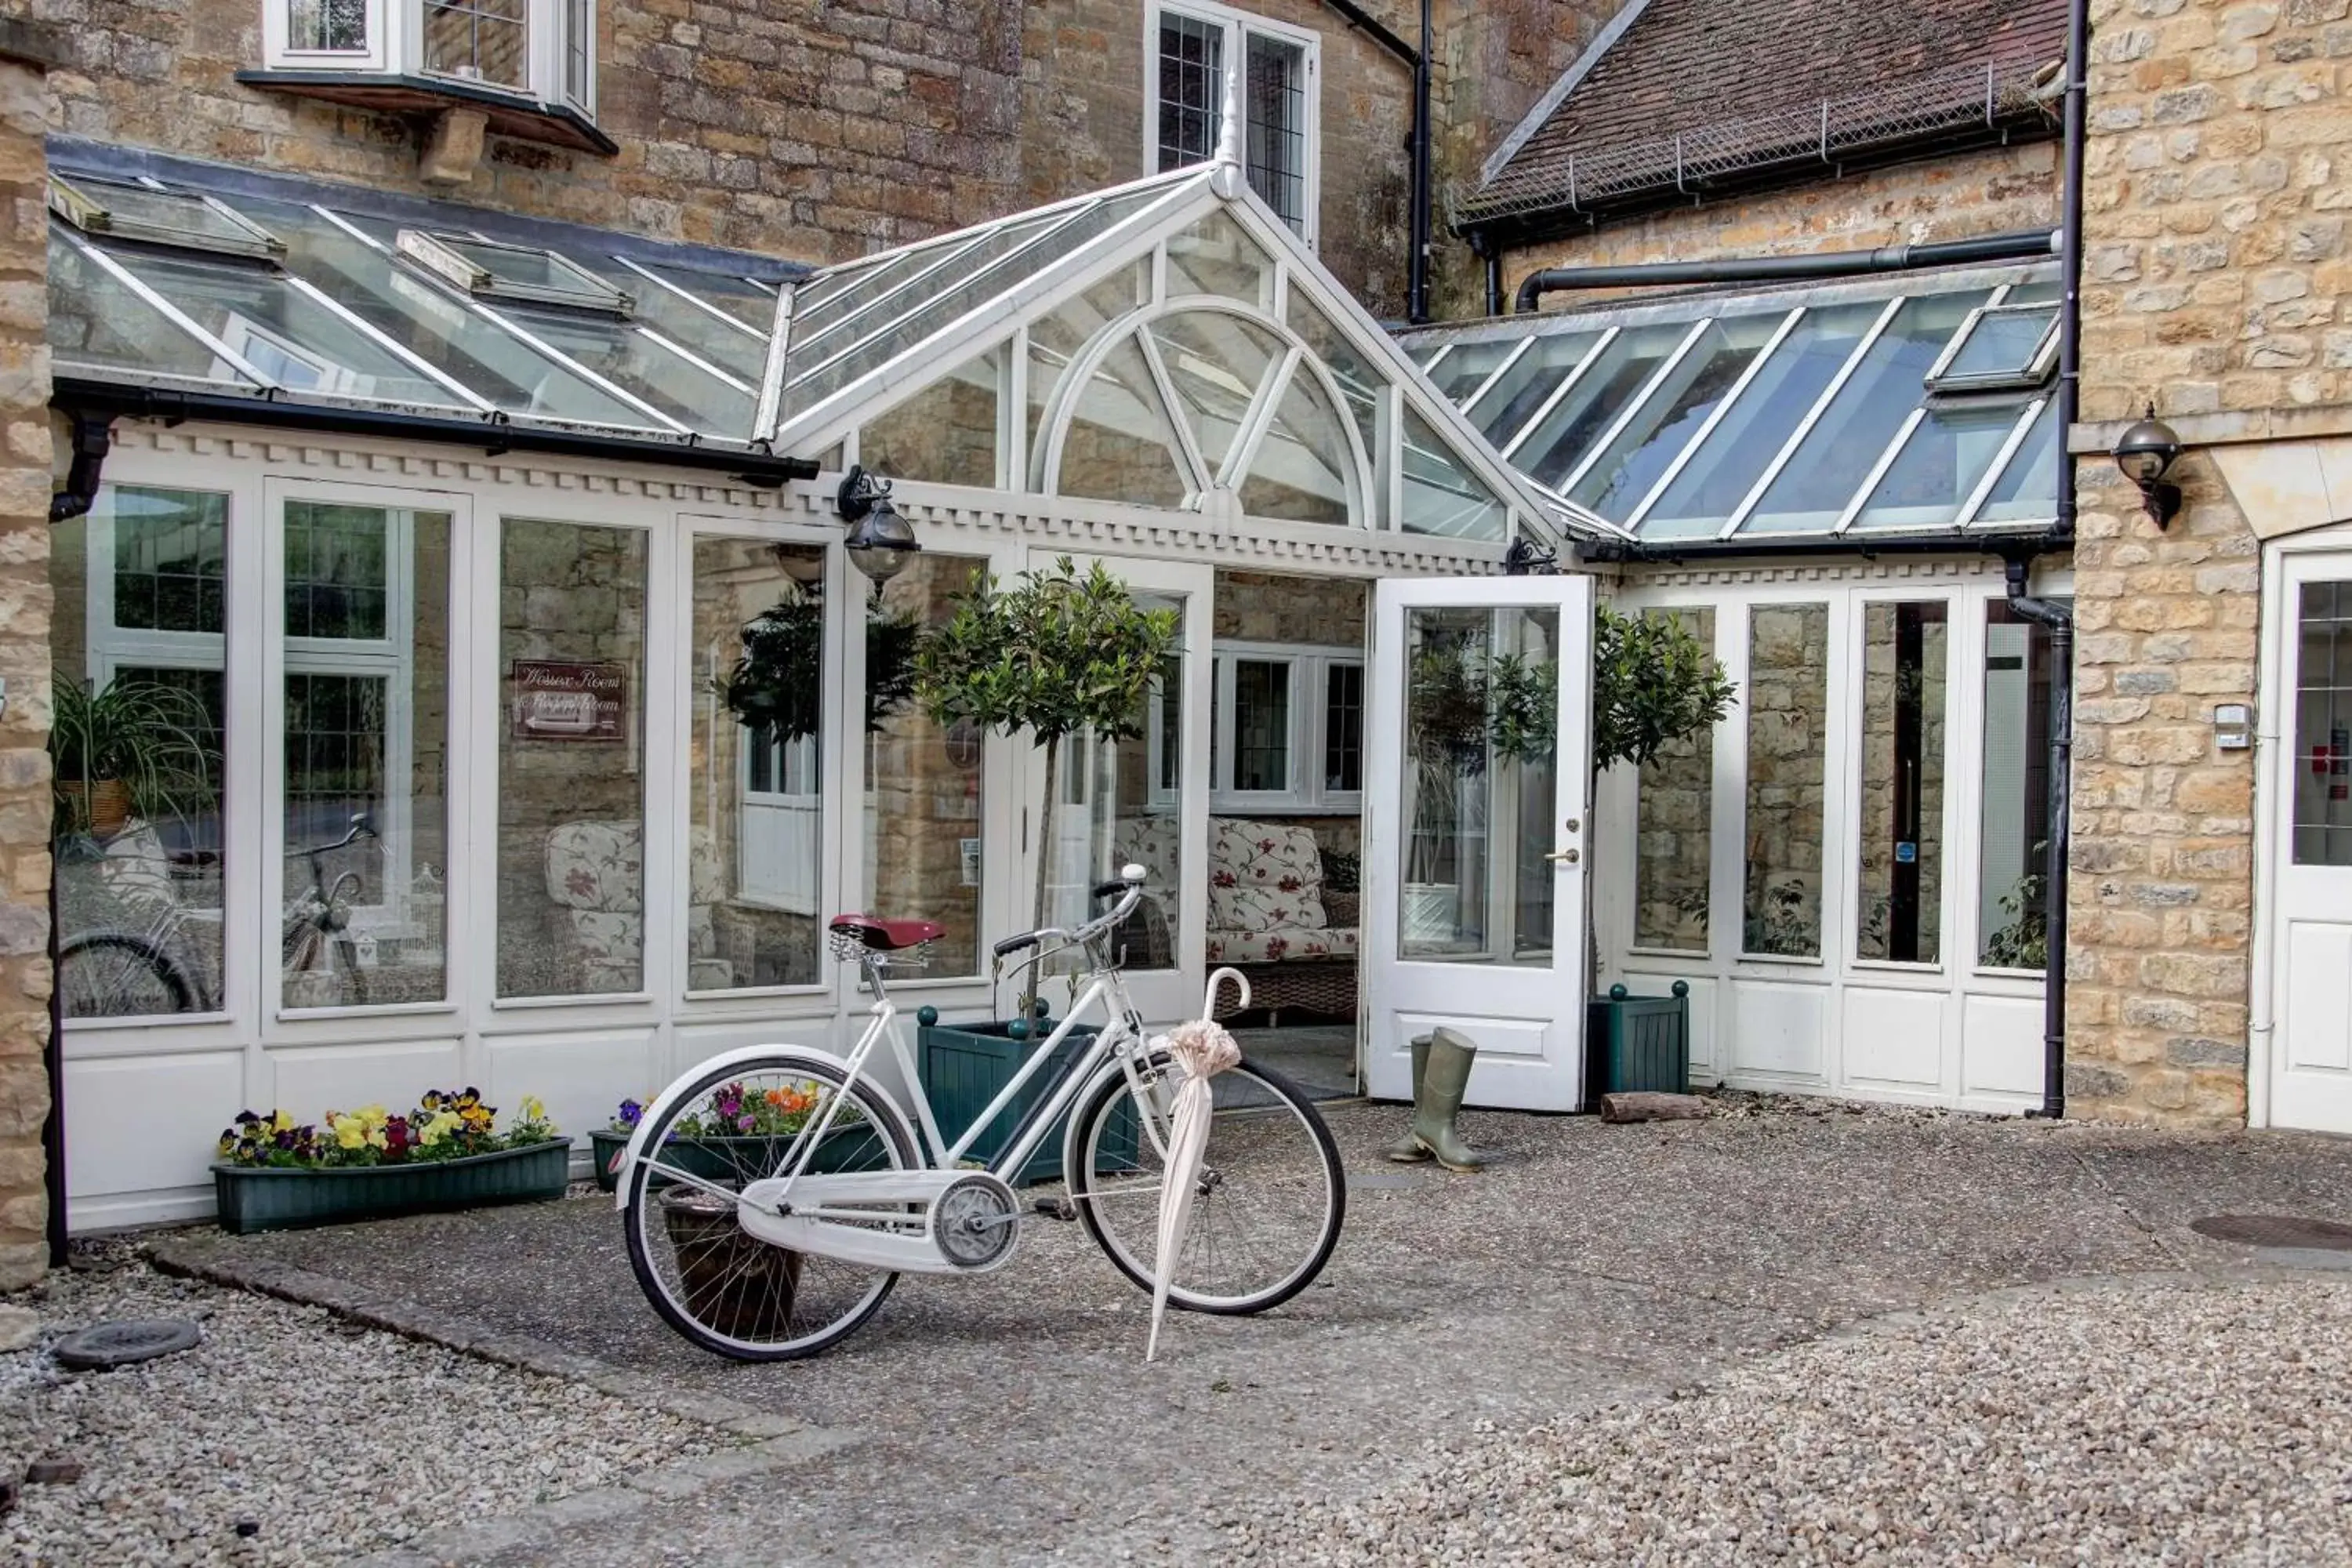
(1479, 784)
(2311, 912)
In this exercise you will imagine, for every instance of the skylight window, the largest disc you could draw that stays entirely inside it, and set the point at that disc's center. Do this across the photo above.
(125, 210)
(2000, 348)
(496, 270)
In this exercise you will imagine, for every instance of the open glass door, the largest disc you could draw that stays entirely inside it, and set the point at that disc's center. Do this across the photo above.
(1478, 780)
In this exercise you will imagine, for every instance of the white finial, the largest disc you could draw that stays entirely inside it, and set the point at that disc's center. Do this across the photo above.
(1229, 113)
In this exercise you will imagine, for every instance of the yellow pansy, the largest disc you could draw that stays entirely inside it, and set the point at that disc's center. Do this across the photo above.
(350, 1134)
(533, 1109)
(281, 1123)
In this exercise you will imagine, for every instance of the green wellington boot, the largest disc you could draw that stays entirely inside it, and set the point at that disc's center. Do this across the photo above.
(1407, 1150)
(1443, 1083)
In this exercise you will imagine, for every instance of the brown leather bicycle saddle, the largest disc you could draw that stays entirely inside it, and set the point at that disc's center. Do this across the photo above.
(887, 936)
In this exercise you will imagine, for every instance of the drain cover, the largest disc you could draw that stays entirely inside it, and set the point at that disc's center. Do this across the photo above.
(2275, 1230)
(103, 1347)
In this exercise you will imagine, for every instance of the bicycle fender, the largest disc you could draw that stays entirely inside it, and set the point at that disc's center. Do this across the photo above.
(653, 1113)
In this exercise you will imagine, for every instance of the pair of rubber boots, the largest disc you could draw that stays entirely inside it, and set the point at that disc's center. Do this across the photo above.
(1440, 1076)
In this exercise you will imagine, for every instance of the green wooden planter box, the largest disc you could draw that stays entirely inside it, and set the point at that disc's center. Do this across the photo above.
(726, 1159)
(964, 1066)
(1637, 1043)
(262, 1198)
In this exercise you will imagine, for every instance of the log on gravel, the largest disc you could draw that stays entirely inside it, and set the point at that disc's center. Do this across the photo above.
(1644, 1106)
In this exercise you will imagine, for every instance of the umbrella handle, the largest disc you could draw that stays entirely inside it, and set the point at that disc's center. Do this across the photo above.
(1216, 977)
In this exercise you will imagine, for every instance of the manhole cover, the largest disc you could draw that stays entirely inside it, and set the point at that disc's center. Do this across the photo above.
(2275, 1230)
(103, 1347)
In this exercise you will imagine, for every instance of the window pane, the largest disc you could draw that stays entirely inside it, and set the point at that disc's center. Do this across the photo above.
(945, 434)
(2323, 727)
(1275, 94)
(1675, 814)
(1466, 370)
(923, 797)
(480, 40)
(1515, 396)
(1192, 73)
(643, 368)
(1901, 851)
(2027, 490)
(1787, 707)
(570, 846)
(755, 839)
(579, 46)
(1363, 388)
(1213, 256)
(339, 25)
(2003, 344)
(1120, 444)
(1216, 363)
(1560, 440)
(366, 736)
(1134, 791)
(1939, 468)
(95, 319)
(1839, 452)
(1482, 716)
(1261, 725)
(1638, 458)
(1056, 341)
(2015, 825)
(1302, 467)
(1343, 727)
(140, 747)
(1440, 495)
(1721, 473)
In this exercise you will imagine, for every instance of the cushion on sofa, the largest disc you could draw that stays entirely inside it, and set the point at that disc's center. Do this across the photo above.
(1264, 875)
(1280, 943)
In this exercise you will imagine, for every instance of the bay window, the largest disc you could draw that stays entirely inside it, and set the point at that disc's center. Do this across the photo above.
(544, 50)
(1191, 47)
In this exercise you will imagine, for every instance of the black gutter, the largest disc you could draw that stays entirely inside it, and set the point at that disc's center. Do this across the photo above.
(2060, 622)
(1847, 546)
(493, 437)
(2017, 246)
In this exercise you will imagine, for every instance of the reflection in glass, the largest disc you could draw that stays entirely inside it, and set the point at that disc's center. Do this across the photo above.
(1534, 376)
(1122, 805)
(1481, 724)
(1213, 256)
(945, 434)
(366, 736)
(1303, 464)
(1466, 370)
(2322, 726)
(2027, 490)
(1674, 815)
(1557, 443)
(479, 40)
(923, 783)
(328, 26)
(2014, 829)
(571, 833)
(1788, 709)
(139, 742)
(95, 319)
(1362, 386)
(1216, 363)
(1261, 724)
(1440, 496)
(1939, 468)
(1900, 915)
(1120, 443)
(1638, 458)
(642, 367)
(1056, 340)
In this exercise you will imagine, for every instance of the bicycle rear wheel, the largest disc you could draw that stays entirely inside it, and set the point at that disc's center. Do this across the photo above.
(112, 974)
(1268, 1204)
(711, 1280)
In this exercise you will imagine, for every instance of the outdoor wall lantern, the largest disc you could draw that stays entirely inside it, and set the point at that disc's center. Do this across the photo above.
(879, 539)
(2146, 454)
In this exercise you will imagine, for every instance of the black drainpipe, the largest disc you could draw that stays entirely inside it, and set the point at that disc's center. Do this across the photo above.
(1483, 246)
(1776, 268)
(2060, 621)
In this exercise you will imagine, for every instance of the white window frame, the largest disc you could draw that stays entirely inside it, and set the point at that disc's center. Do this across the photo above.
(1304, 795)
(1237, 26)
(396, 30)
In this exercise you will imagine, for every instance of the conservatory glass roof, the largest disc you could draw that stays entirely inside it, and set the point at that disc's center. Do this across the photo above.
(1915, 406)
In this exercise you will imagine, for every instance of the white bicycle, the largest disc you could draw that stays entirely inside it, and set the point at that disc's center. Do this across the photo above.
(773, 1196)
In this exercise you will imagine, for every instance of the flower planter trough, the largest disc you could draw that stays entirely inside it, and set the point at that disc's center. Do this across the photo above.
(256, 1198)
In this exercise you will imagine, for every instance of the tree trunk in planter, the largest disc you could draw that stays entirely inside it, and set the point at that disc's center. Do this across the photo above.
(735, 1283)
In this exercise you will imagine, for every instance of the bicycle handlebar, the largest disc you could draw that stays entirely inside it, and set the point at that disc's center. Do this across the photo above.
(1129, 882)
(363, 827)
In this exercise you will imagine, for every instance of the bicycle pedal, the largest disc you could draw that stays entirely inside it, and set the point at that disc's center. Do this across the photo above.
(1057, 1208)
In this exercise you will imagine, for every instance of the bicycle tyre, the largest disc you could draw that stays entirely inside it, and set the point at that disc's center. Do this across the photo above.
(137, 952)
(1093, 1142)
(646, 1252)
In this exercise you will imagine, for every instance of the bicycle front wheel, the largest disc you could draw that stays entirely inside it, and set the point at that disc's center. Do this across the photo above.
(713, 1281)
(1267, 1204)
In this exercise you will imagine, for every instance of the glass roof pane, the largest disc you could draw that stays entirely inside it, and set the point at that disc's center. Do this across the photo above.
(1939, 467)
(1514, 398)
(432, 322)
(1216, 363)
(1638, 458)
(1466, 370)
(2049, 293)
(822, 301)
(1557, 443)
(1213, 256)
(97, 322)
(2027, 490)
(965, 287)
(1120, 443)
(1440, 496)
(694, 329)
(2001, 344)
(946, 434)
(874, 305)
(637, 364)
(142, 212)
(1840, 451)
(1300, 471)
(285, 334)
(749, 302)
(1360, 385)
(1721, 473)
(1056, 339)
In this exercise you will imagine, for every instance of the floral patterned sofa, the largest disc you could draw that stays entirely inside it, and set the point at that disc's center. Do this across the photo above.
(596, 886)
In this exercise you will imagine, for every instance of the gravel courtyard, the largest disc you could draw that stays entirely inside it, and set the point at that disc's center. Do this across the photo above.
(1792, 1331)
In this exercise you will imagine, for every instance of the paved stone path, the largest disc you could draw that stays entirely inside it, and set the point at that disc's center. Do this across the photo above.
(1012, 1419)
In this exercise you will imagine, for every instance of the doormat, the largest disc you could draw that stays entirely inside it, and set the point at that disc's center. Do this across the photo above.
(2275, 1230)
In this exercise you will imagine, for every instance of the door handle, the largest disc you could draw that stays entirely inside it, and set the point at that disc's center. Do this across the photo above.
(1566, 857)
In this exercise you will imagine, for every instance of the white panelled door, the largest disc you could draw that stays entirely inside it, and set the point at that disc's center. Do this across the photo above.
(1478, 784)
(2311, 909)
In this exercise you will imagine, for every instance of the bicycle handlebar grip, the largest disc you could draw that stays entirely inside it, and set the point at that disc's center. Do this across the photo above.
(1106, 890)
(1012, 944)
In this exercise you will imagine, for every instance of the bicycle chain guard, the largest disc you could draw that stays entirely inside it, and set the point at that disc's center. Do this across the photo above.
(976, 1222)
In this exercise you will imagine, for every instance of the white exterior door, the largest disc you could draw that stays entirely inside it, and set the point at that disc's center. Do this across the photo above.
(2310, 786)
(1478, 782)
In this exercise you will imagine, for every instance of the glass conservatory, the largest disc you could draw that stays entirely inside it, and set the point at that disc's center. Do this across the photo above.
(484, 583)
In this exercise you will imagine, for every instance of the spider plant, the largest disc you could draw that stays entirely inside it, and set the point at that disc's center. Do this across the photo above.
(133, 742)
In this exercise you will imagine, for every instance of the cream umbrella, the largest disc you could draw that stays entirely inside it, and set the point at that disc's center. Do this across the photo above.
(1204, 1049)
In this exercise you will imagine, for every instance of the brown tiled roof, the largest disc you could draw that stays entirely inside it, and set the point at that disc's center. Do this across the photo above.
(1696, 87)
